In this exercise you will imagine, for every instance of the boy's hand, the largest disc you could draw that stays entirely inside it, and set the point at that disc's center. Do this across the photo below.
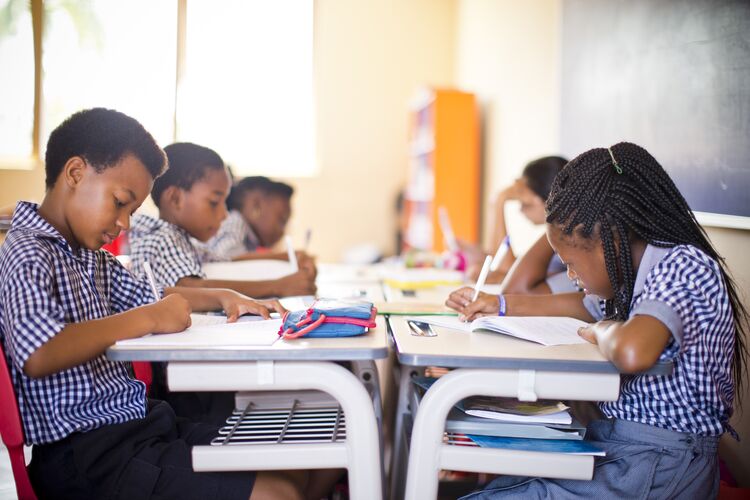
(460, 300)
(235, 305)
(299, 283)
(307, 263)
(171, 314)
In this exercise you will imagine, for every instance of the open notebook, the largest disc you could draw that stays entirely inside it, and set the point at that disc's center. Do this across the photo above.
(545, 330)
(213, 331)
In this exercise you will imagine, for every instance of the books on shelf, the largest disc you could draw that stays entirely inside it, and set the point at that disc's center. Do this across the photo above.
(545, 330)
(567, 446)
(460, 420)
(513, 410)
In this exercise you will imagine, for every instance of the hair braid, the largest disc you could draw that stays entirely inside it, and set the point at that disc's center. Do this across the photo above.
(589, 197)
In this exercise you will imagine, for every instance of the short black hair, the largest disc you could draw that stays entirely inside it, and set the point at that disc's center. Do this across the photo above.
(188, 163)
(540, 173)
(257, 183)
(102, 137)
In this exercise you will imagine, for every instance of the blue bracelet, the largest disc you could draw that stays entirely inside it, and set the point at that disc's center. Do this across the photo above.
(502, 307)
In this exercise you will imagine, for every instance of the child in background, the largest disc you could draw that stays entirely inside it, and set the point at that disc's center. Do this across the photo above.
(191, 198)
(538, 271)
(657, 290)
(259, 210)
(63, 302)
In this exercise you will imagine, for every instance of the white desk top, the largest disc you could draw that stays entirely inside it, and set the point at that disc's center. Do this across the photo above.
(372, 345)
(457, 349)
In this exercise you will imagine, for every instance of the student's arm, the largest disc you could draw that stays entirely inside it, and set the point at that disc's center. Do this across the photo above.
(529, 274)
(563, 304)
(299, 283)
(634, 345)
(77, 343)
(233, 303)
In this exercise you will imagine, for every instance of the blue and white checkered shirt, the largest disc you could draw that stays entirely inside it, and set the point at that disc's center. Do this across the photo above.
(166, 247)
(44, 286)
(235, 237)
(682, 287)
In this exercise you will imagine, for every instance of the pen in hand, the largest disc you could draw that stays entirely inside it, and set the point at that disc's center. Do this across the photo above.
(151, 280)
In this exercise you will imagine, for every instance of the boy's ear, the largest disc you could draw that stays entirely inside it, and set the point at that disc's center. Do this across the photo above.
(172, 196)
(73, 171)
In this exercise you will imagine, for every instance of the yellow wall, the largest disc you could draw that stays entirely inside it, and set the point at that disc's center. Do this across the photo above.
(370, 57)
(507, 53)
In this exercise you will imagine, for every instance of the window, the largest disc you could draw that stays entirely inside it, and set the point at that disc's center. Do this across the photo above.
(16, 84)
(114, 54)
(245, 85)
(247, 89)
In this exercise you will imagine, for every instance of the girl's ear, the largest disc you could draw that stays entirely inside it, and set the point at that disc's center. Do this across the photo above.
(74, 171)
(254, 203)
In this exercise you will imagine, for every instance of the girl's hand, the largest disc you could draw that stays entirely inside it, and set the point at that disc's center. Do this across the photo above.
(306, 263)
(299, 283)
(235, 305)
(460, 300)
(590, 333)
(170, 314)
(511, 192)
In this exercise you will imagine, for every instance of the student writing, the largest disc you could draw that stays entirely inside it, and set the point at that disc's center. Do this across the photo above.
(191, 198)
(259, 211)
(657, 290)
(63, 302)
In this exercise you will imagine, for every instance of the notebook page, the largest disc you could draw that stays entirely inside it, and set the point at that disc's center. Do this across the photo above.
(545, 330)
(243, 333)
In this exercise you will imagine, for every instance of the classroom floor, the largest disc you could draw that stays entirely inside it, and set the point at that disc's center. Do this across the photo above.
(7, 486)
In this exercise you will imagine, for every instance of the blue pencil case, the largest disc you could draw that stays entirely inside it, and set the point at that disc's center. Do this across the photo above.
(329, 318)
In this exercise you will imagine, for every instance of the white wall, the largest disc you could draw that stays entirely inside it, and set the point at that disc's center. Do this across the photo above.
(508, 53)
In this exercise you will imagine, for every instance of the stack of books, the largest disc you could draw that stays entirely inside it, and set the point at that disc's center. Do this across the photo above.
(495, 422)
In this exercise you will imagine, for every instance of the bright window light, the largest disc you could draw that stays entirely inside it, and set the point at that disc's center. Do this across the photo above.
(113, 54)
(16, 82)
(247, 87)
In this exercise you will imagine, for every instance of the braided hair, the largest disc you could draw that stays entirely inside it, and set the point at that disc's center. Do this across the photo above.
(622, 192)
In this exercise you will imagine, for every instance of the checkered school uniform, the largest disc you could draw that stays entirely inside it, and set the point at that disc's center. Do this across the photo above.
(682, 287)
(235, 237)
(166, 247)
(44, 286)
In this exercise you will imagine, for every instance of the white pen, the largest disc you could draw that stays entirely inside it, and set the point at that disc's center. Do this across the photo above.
(482, 277)
(502, 249)
(151, 279)
(291, 254)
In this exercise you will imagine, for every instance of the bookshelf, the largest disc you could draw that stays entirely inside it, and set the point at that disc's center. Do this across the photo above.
(444, 168)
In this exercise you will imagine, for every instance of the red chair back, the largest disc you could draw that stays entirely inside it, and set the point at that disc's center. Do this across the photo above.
(12, 432)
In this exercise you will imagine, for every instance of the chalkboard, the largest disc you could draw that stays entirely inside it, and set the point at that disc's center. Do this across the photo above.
(672, 76)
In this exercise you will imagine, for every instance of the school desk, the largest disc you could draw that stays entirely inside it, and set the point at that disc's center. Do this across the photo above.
(488, 364)
(288, 365)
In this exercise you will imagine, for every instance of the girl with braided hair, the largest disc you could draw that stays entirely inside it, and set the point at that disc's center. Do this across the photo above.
(654, 289)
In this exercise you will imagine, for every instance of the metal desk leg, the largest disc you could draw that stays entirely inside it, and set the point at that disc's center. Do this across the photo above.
(360, 454)
(428, 454)
(403, 410)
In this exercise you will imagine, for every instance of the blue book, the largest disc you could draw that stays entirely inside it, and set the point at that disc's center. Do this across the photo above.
(569, 446)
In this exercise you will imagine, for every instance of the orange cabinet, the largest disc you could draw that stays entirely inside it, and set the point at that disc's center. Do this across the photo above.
(444, 168)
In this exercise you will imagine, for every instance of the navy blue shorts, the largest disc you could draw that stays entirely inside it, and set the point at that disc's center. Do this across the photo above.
(148, 458)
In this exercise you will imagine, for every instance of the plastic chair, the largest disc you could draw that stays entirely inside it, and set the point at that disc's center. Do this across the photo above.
(12, 432)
